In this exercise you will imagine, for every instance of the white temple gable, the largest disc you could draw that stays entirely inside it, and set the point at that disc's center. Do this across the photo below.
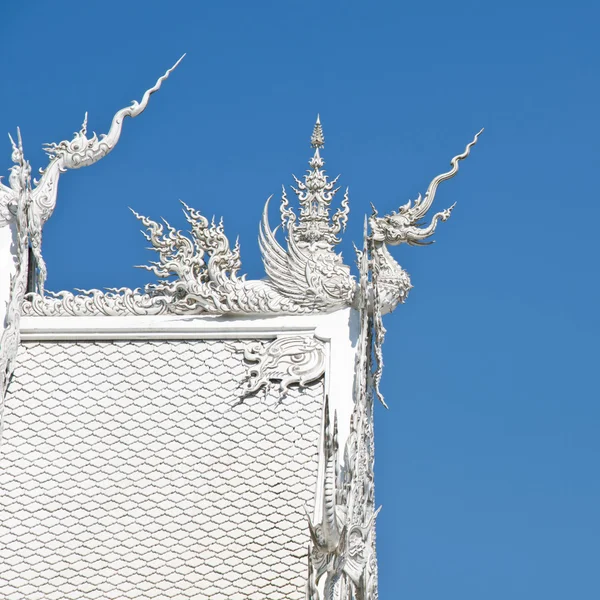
(207, 436)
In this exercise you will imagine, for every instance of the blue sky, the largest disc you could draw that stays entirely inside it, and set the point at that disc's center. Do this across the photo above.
(487, 460)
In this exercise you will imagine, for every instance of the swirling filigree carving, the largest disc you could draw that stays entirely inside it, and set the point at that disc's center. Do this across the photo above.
(285, 361)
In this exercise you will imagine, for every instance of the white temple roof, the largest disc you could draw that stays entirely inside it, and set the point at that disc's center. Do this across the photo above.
(130, 470)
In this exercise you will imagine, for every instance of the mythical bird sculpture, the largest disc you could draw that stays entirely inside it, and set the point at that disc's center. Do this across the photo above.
(307, 276)
(405, 227)
(310, 272)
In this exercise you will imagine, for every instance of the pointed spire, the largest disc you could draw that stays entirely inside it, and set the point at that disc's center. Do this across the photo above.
(315, 194)
(317, 139)
(83, 129)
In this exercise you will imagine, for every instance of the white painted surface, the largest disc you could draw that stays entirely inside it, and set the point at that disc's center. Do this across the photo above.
(131, 471)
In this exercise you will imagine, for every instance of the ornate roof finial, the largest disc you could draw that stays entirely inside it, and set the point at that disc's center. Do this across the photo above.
(317, 139)
(315, 194)
(310, 261)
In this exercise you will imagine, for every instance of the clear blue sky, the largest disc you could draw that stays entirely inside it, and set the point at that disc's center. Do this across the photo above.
(488, 459)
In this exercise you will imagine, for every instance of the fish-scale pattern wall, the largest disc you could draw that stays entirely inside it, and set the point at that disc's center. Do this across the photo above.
(130, 471)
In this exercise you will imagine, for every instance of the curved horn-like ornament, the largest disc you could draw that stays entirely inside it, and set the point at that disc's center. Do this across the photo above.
(74, 154)
(421, 207)
(416, 236)
(82, 152)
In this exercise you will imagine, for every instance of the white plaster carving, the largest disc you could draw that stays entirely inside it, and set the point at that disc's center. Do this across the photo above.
(342, 556)
(79, 152)
(199, 284)
(200, 273)
(310, 271)
(405, 227)
(390, 283)
(287, 360)
(343, 542)
(20, 179)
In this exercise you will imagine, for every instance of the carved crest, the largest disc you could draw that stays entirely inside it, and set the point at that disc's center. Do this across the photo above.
(287, 360)
(310, 271)
(199, 273)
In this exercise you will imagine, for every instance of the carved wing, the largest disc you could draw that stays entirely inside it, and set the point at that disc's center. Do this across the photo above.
(286, 270)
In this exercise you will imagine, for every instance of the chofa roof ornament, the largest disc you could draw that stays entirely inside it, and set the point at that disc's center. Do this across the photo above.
(310, 271)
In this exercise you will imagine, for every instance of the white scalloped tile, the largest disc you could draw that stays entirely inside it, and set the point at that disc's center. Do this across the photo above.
(129, 471)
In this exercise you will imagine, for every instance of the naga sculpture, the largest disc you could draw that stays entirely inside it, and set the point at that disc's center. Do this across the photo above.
(405, 227)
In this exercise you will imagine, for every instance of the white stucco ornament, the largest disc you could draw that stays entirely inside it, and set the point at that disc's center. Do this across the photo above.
(18, 204)
(342, 559)
(200, 273)
(285, 361)
(79, 152)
